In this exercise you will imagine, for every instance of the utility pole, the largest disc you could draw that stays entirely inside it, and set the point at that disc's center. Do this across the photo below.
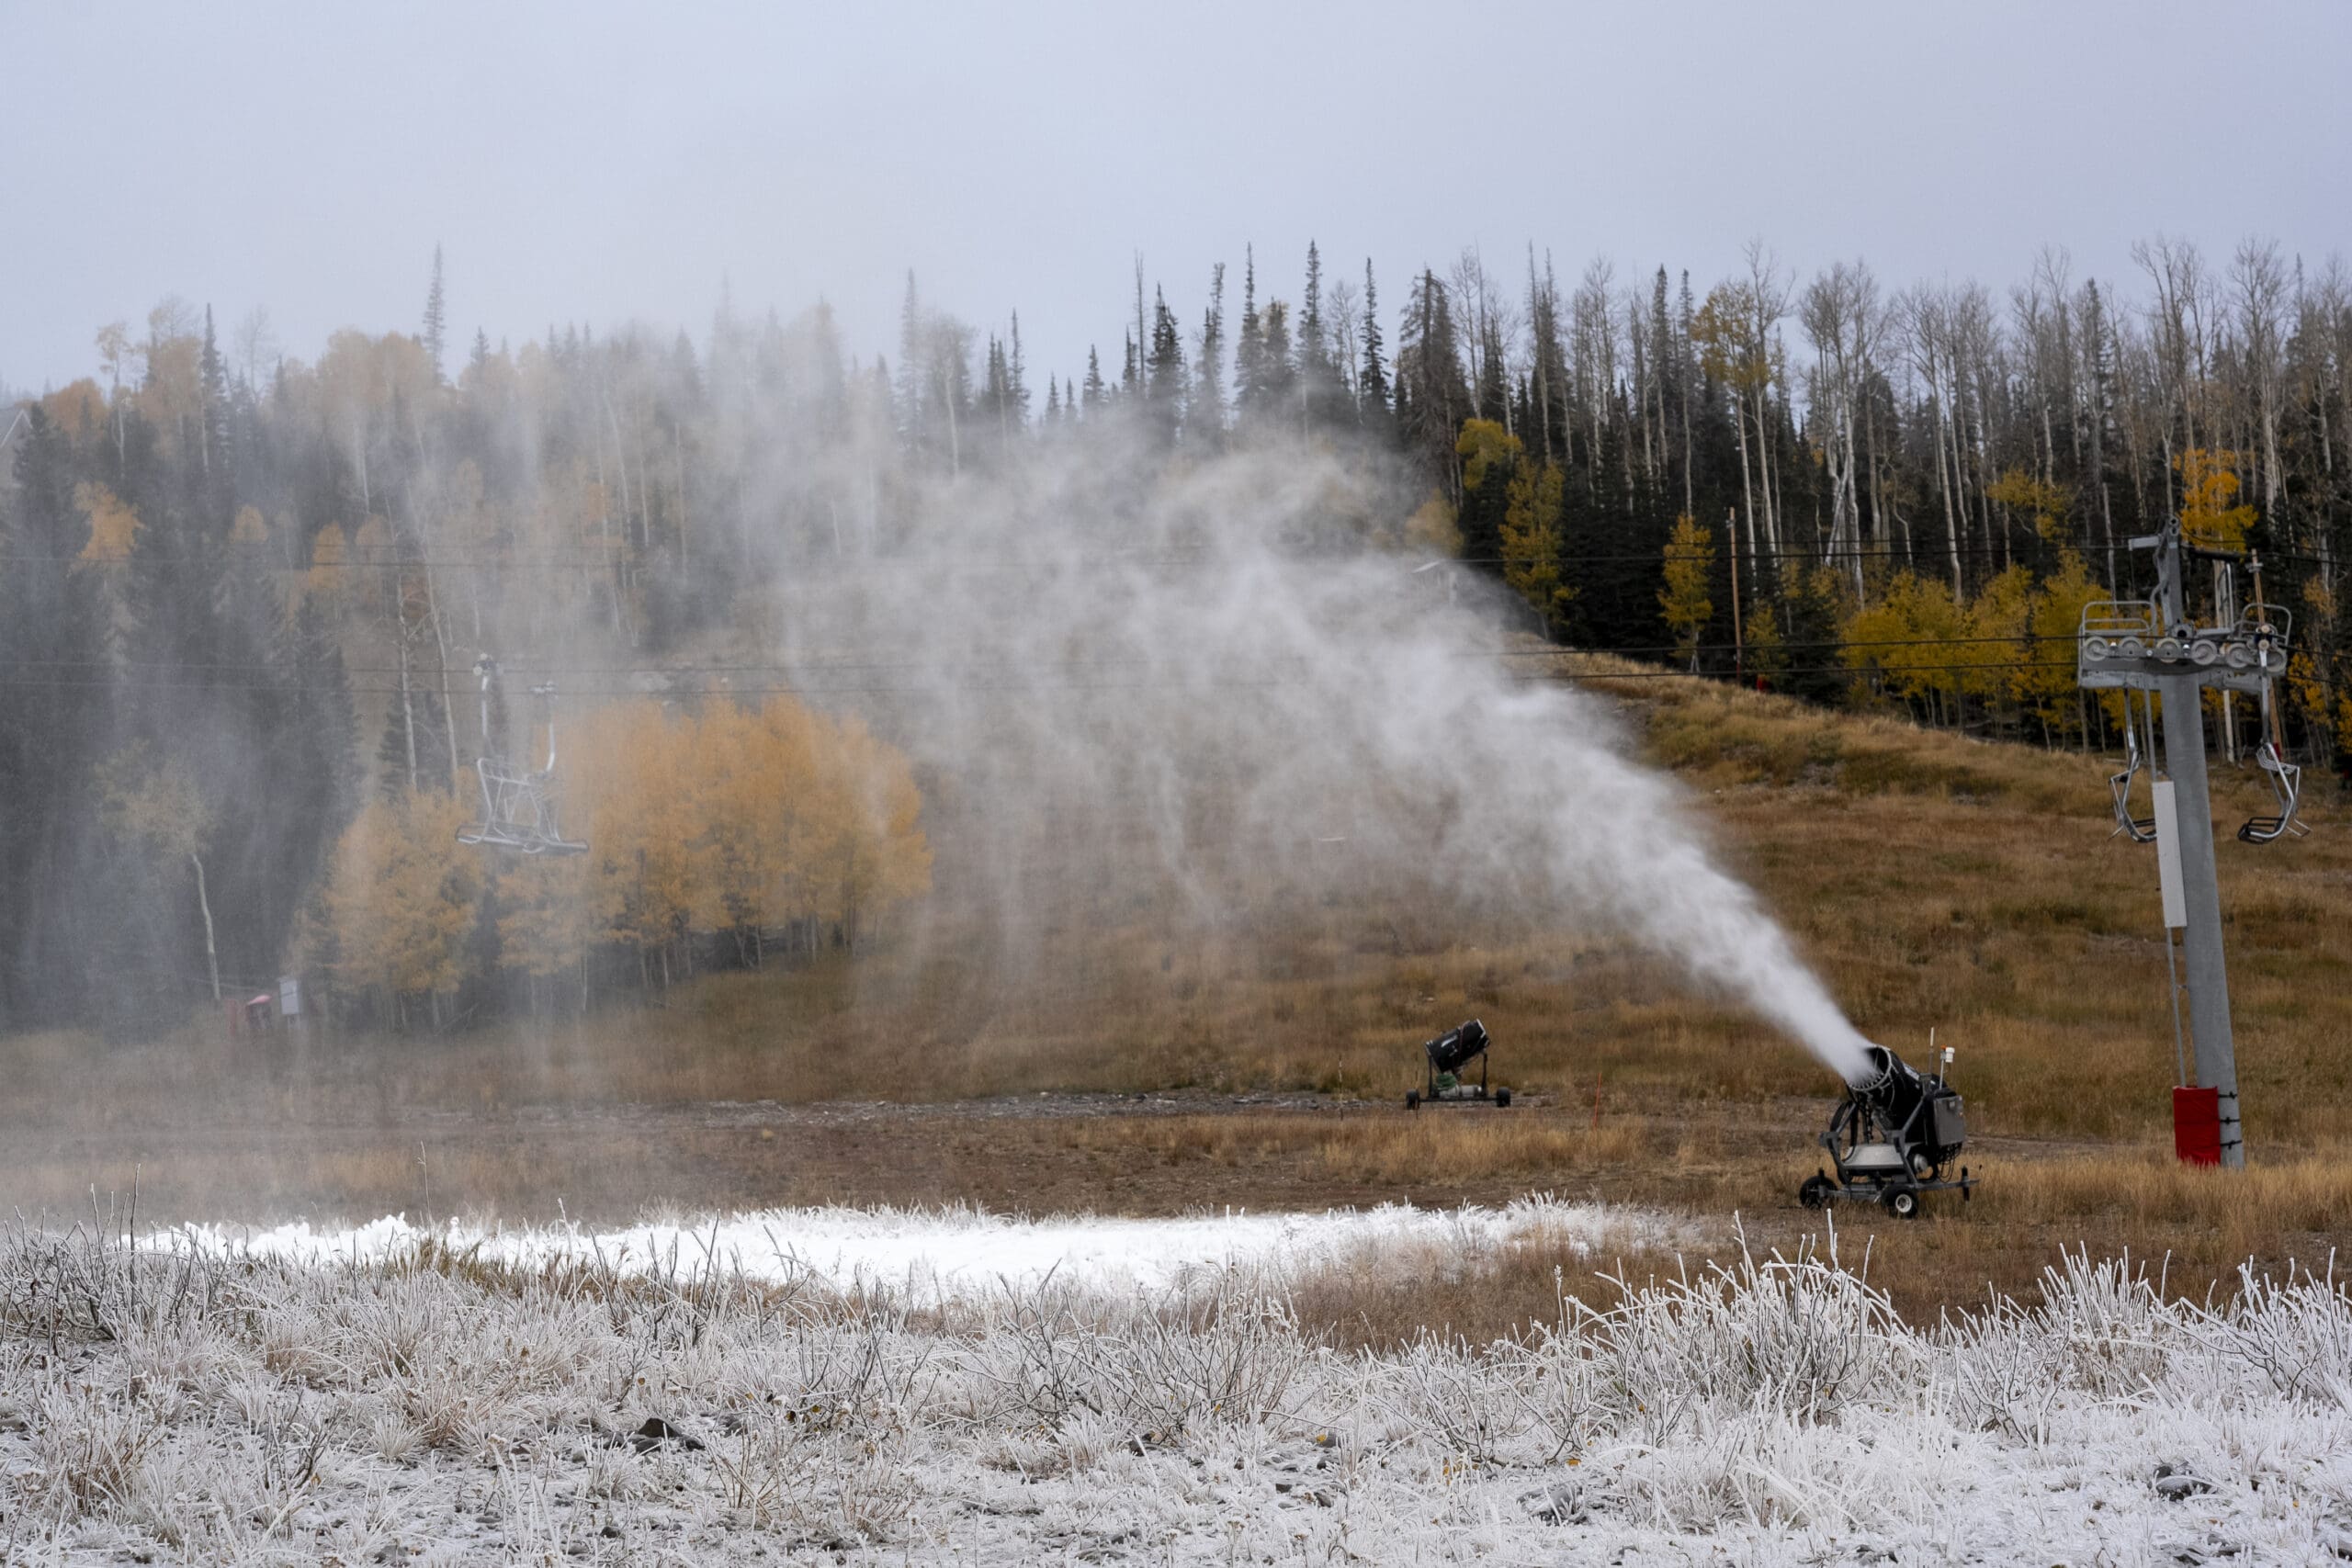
(2156, 645)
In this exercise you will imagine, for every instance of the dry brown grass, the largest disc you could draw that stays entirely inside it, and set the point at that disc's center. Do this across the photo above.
(1937, 881)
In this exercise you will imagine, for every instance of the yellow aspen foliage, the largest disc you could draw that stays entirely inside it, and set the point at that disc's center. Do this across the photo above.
(1899, 638)
(114, 527)
(1483, 444)
(1432, 527)
(1690, 563)
(2046, 505)
(402, 895)
(325, 581)
(249, 528)
(1531, 537)
(78, 409)
(1764, 650)
(757, 778)
(1992, 646)
(2049, 689)
(643, 809)
(2312, 683)
(2209, 485)
(869, 852)
(554, 908)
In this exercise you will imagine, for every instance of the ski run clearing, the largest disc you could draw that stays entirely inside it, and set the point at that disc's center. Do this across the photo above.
(840, 1385)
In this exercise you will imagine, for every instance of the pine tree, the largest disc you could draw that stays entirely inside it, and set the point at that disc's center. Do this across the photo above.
(1165, 391)
(1017, 379)
(1431, 396)
(435, 319)
(212, 377)
(1318, 382)
(1371, 390)
(1249, 366)
(1204, 421)
(1277, 374)
(1093, 396)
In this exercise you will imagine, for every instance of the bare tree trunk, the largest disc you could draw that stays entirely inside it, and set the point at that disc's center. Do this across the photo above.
(204, 903)
(408, 707)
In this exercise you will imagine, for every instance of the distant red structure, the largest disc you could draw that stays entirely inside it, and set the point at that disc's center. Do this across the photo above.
(2196, 1125)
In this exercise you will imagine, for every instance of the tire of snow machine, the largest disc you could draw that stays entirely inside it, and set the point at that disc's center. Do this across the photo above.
(1412, 1100)
(1902, 1202)
(1815, 1192)
(1502, 1098)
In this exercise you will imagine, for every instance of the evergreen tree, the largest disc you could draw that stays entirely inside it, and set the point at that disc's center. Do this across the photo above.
(1318, 379)
(435, 337)
(1205, 422)
(1431, 396)
(1093, 396)
(1371, 390)
(1166, 391)
(1277, 373)
(1249, 366)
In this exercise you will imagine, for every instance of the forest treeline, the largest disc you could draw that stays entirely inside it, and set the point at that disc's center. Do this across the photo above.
(243, 592)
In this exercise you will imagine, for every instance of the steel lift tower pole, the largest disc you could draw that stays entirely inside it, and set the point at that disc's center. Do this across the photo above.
(2156, 647)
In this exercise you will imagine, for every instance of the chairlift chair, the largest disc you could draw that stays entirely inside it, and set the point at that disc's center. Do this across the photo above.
(518, 804)
(2286, 783)
(2140, 829)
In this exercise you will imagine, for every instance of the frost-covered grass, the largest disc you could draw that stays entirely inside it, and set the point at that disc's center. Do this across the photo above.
(207, 1403)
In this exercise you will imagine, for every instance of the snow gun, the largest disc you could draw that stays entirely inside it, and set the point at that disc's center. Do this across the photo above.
(1449, 1055)
(1891, 1138)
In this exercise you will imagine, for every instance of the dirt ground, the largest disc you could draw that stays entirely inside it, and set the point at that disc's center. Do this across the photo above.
(1729, 1165)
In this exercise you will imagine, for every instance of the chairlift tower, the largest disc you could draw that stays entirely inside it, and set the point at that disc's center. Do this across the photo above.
(2154, 647)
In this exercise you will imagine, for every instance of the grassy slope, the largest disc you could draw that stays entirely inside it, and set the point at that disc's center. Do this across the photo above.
(1936, 881)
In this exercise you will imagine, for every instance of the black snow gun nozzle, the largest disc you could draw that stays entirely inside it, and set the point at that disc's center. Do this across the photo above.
(1447, 1055)
(1894, 1137)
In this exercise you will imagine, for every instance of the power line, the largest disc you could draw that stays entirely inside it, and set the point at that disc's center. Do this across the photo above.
(1020, 687)
(517, 667)
(1932, 556)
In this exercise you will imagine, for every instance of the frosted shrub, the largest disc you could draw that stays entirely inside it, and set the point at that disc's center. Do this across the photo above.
(2295, 1333)
(1775, 1410)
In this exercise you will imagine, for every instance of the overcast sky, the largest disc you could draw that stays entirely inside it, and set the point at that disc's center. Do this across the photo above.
(603, 163)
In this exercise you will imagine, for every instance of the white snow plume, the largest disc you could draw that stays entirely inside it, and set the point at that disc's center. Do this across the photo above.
(1232, 671)
(932, 1256)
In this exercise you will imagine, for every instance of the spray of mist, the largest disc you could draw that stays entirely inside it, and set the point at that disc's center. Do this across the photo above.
(1236, 659)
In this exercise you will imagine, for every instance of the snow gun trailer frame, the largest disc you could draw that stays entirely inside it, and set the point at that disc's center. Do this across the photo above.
(1894, 1137)
(1447, 1055)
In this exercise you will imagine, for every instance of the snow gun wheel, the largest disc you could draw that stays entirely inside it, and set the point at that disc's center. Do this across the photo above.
(1502, 1098)
(1903, 1203)
(1814, 1194)
(1412, 1100)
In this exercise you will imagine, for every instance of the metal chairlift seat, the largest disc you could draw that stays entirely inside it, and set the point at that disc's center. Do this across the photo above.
(518, 805)
(2141, 829)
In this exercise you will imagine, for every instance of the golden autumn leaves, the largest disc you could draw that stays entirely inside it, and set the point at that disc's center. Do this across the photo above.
(736, 821)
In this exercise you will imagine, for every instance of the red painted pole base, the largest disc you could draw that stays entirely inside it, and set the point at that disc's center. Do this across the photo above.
(2196, 1125)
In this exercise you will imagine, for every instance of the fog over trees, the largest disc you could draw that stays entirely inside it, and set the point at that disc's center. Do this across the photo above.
(244, 590)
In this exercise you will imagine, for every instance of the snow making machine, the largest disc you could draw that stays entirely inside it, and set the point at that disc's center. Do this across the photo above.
(1450, 1055)
(1894, 1137)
